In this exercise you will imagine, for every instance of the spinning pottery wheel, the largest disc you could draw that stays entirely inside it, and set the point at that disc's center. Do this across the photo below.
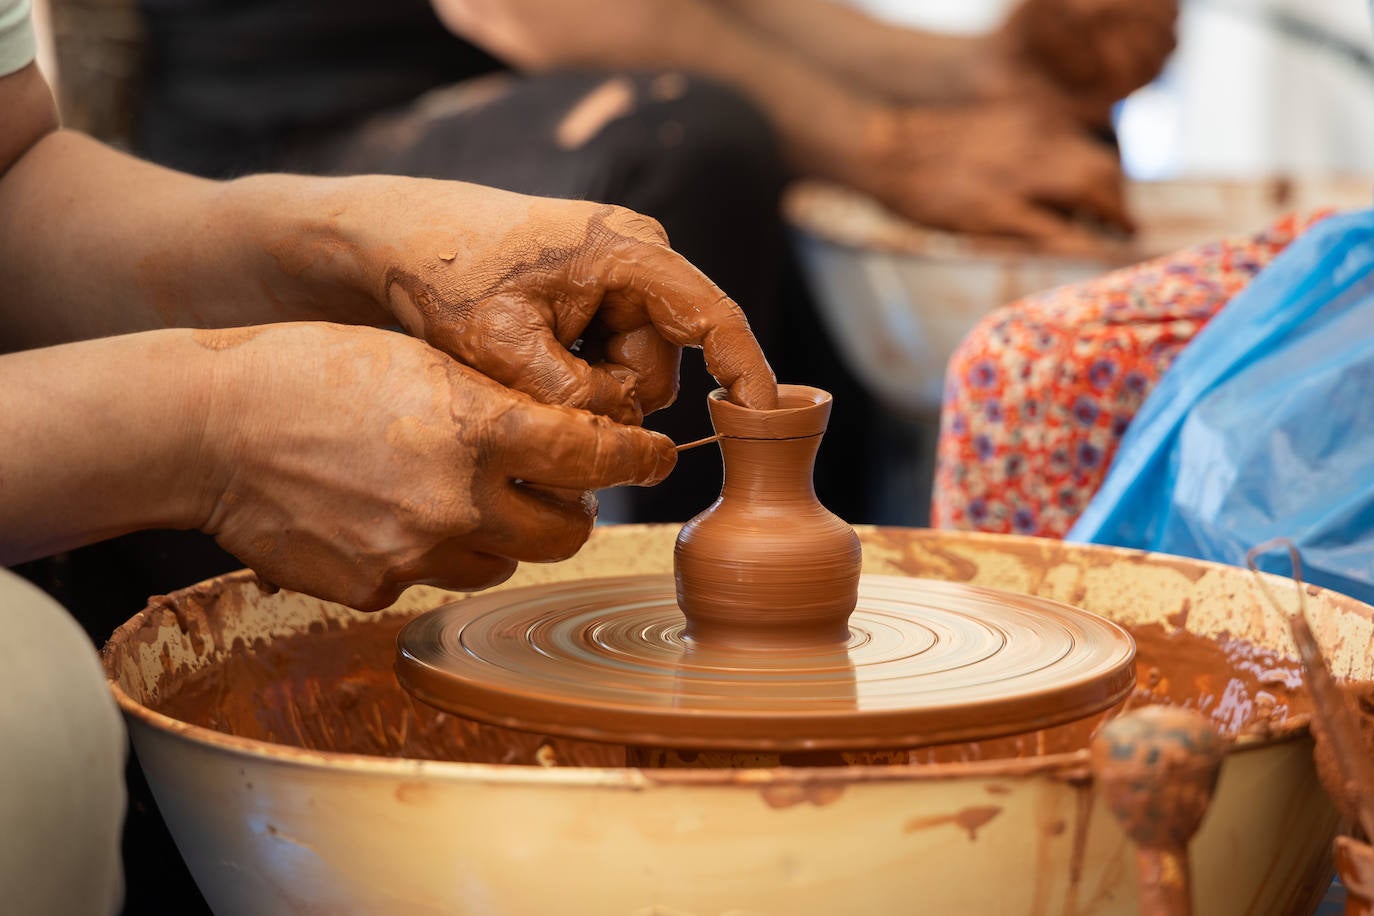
(925, 663)
(767, 639)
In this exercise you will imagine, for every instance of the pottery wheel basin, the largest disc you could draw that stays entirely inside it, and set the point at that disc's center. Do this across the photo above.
(298, 777)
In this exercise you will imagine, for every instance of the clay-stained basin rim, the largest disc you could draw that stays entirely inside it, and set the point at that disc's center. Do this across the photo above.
(1072, 765)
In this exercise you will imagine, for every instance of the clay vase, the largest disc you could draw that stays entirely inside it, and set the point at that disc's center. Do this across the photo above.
(767, 566)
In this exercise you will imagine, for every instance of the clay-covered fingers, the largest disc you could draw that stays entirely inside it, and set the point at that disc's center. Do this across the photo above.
(654, 361)
(550, 446)
(529, 358)
(533, 525)
(688, 310)
(450, 564)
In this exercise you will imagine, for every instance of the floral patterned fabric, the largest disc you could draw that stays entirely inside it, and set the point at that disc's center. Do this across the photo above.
(1039, 394)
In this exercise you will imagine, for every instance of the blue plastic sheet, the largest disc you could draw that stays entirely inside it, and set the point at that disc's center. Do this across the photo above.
(1264, 425)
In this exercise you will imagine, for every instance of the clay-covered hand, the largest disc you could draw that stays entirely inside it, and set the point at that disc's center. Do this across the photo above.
(1084, 54)
(573, 303)
(351, 462)
(996, 169)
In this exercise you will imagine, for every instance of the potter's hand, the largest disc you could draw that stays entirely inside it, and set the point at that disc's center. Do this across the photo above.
(994, 170)
(510, 284)
(350, 463)
(1083, 55)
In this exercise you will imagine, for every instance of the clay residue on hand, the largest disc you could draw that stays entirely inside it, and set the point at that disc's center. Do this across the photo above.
(613, 99)
(610, 282)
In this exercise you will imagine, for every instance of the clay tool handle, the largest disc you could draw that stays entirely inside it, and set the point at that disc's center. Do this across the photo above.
(1156, 768)
(707, 441)
(1337, 727)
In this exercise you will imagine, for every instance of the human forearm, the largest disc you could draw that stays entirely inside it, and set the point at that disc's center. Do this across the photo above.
(101, 438)
(98, 243)
(823, 125)
(1076, 56)
(344, 462)
(898, 64)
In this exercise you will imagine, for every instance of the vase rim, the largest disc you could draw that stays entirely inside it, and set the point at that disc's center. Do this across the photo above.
(802, 412)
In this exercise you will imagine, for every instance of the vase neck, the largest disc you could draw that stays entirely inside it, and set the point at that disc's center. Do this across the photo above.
(773, 470)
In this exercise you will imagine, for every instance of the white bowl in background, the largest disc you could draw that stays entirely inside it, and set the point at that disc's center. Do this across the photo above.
(898, 299)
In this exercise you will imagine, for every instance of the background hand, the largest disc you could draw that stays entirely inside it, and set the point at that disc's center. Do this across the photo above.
(1085, 55)
(997, 170)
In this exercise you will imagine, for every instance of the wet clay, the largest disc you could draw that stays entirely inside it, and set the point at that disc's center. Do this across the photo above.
(767, 566)
(332, 689)
(618, 288)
